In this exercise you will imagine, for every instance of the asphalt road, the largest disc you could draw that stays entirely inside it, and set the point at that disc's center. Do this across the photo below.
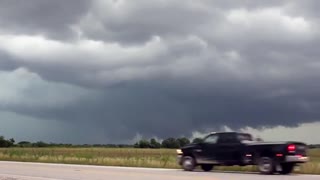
(38, 171)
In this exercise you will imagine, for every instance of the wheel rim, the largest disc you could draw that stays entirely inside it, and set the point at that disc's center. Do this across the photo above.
(265, 165)
(188, 163)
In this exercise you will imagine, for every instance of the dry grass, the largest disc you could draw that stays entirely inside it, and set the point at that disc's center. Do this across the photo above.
(96, 156)
(313, 167)
(156, 158)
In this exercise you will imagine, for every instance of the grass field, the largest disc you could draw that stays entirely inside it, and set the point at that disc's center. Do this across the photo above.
(156, 158)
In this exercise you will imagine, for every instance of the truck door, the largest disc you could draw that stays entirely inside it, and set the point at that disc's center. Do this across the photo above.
(208, 150)
(228, 148)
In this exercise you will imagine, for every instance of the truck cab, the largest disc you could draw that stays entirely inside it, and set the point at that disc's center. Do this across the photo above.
(233, 148)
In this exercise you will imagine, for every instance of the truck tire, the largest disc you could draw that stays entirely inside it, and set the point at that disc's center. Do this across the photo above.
(207, 167)
(287, 168)
(266, 165)
(188, 163)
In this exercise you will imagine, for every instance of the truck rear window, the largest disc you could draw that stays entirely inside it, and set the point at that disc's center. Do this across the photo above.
(244, 137)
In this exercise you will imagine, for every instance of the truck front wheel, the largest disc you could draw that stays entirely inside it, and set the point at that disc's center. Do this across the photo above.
(188, 163)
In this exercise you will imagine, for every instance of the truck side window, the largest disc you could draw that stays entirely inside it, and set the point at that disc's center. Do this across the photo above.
(212, 139)
(227, 138)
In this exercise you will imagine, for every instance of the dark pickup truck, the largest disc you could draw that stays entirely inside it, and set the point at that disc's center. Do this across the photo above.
(233, 148)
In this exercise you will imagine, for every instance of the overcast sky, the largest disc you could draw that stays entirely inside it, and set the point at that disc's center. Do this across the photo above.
(110, 71)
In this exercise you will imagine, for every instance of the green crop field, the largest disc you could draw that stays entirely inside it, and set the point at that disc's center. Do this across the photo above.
(155, 158)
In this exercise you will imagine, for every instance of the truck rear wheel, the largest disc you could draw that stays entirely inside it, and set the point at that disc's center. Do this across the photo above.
(207, 167)
(188, 163)
(266, 165)
(287, 168)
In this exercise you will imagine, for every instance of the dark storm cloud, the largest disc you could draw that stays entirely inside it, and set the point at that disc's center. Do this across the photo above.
(161, 68)
(137, 22)
(6, 62)
(307, 9)
(51, 18)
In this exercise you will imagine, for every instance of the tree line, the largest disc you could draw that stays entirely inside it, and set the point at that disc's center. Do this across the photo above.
(168, 143)
(6, 142)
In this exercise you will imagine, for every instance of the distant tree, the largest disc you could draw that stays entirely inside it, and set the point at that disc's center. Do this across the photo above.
(142, 144)
(183, 141)
(40, 144)
(6, 143)
(170, 143)
(154, 144)
(24, 144)
(3, 142)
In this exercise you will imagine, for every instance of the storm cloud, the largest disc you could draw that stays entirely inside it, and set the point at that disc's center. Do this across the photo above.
(113, 69)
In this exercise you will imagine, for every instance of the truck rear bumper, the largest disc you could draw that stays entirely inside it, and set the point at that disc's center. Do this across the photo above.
(297, 159)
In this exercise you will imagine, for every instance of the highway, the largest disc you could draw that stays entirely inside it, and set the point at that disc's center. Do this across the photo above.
(41, 171)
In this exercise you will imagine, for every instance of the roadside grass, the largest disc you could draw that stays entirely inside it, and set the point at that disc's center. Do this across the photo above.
(129, 157)
(156, 158)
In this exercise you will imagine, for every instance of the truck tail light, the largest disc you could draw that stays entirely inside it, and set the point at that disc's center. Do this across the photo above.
(291, 148)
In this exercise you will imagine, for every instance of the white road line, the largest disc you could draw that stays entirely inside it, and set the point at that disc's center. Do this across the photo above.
(88, 166)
